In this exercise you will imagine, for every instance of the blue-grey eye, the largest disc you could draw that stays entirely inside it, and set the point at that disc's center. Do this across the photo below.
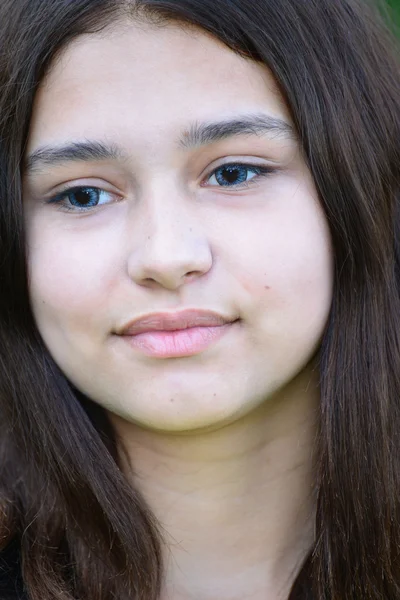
(234, 174)
(84, 197)
(81, 197)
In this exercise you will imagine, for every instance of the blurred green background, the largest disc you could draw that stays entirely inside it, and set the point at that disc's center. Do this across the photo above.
(395, 5)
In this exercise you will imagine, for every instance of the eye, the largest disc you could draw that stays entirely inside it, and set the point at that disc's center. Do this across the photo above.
(235, 175)
(82, 197)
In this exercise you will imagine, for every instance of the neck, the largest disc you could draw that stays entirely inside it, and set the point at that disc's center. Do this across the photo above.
(237, 503)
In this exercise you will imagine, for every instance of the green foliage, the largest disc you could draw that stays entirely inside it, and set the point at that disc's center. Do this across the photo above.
(394, 14)
(395, 4)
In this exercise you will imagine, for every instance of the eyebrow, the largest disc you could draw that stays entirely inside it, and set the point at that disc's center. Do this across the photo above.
(74, 152)
(198, 134)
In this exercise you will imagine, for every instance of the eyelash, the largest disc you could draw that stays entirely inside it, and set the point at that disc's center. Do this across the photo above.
(260, 171)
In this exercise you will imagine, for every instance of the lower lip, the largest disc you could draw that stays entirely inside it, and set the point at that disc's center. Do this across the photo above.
(175, 344)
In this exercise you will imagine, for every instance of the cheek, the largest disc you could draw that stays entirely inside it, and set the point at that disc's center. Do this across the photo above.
(69, 280)
(286, 267)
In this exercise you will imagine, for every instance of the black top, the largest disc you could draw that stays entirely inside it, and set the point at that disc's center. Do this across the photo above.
(11, 586)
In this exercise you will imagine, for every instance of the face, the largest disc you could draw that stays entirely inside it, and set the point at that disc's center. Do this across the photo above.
(180, 263)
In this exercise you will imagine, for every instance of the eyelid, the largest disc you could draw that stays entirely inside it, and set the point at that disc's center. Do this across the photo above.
(246, 161)
(83, 182)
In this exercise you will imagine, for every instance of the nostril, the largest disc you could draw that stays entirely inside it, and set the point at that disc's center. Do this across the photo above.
(191, 274)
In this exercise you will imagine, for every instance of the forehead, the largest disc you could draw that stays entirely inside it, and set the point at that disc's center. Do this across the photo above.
(148, 81)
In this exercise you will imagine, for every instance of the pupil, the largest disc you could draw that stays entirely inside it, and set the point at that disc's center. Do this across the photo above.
(84, 197)
(231, 175)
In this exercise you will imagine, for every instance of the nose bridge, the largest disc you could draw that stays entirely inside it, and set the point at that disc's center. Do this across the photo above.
(174, 245)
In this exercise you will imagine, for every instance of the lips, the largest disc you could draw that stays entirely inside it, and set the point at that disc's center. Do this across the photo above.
(174, 322)
(176, 335)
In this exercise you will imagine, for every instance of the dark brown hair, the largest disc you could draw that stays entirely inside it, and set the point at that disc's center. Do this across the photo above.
(81, 531)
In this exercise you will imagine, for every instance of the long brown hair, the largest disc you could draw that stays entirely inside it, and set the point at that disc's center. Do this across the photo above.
(80, 530)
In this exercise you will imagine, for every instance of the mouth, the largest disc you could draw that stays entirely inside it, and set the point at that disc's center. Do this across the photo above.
(175, 335)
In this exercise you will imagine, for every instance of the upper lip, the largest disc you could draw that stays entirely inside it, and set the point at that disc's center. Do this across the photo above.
(164, 321)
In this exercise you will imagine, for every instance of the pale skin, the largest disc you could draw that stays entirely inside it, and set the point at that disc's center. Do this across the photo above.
(220, 442)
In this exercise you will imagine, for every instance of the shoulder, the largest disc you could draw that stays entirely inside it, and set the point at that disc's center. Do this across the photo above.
(11, 586)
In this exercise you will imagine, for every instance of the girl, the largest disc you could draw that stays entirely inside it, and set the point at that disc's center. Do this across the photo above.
(199, 307)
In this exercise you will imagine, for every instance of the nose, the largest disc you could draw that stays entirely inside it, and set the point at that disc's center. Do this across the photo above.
(173, 248)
